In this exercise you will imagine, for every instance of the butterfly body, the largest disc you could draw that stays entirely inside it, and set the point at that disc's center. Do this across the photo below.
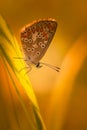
(36, 38)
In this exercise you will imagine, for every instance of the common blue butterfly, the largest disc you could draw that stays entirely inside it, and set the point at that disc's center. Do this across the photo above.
(36, 38)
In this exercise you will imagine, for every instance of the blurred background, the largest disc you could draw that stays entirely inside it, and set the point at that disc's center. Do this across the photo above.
(62, 97)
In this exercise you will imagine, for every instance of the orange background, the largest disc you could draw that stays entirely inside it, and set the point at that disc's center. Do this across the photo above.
(68, 50)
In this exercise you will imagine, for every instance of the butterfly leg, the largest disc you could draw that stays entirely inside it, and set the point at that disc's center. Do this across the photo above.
(28, 70)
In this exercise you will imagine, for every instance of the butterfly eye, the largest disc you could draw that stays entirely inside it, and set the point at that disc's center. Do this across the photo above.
(38, 53)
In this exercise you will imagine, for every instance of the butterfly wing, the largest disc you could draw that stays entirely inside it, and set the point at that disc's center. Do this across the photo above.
(36, 38)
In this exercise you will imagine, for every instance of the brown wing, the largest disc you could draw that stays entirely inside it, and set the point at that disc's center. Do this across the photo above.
(36, 38)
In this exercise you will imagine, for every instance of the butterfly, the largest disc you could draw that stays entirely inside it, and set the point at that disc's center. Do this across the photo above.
(35, 40)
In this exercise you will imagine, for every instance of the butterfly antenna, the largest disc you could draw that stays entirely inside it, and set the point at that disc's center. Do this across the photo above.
(51, 66)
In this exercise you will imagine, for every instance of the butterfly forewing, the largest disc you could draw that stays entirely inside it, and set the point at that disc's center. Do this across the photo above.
(36, 38)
